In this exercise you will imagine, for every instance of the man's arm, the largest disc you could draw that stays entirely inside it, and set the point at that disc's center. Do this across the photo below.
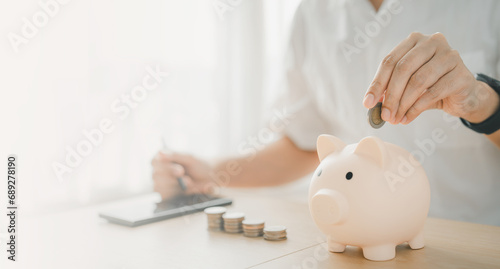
(278, 163)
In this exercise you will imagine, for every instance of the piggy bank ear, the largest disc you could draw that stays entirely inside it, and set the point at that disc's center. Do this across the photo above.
(328, 144)
(372, 148)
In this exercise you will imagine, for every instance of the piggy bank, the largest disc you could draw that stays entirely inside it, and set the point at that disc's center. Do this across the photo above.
(373, 194)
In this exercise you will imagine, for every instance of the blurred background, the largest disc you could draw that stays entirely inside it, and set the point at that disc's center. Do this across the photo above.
(223, 59)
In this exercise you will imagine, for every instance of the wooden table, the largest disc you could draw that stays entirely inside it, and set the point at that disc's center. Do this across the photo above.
(80, 239)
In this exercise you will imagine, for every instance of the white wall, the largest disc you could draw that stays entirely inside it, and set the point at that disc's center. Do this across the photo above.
(65, 79)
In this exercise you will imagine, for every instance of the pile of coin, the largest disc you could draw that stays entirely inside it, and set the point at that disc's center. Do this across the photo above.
(275, 233)
(233, 222)
(253, 228)
(214, 218)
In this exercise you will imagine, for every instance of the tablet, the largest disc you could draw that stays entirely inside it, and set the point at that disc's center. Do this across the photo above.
(141, 214)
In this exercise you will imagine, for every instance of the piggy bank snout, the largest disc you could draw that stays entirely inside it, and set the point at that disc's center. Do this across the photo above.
(329, 207)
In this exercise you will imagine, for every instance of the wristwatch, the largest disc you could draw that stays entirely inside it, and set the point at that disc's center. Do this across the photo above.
(491, 124)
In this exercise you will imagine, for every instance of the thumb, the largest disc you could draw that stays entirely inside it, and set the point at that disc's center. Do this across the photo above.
(177, 170)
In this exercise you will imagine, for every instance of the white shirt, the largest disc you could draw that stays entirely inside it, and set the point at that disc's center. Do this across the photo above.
(326, 84)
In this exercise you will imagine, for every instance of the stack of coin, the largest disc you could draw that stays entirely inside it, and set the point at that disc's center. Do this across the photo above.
(275, 233)
(253, 228)
(214, 218)
(233, 222)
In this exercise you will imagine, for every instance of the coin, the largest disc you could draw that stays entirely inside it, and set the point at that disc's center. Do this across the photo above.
(215, 210)
(275, 233)
(274, 239)
(276, 228)
(233, 222)
(253, 222)
(253, 227)
(233, 215)
(214, 218)
(375, 116)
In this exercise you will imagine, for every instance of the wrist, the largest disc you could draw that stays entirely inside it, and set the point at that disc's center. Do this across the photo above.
(485, 101)
(224, 171)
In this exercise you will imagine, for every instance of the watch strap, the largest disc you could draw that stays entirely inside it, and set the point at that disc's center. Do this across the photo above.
(491, 124)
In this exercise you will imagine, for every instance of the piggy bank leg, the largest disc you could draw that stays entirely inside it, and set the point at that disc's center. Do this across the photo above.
(380, 253)
(417, 242)
(334, 246)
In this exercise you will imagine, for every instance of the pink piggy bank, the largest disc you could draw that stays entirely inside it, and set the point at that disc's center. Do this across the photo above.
(372, 194)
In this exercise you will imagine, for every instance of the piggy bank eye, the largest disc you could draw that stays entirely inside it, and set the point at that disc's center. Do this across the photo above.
(319, 173)
(348, 176)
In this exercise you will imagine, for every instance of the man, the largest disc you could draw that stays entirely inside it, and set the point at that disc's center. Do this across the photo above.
(337, 49)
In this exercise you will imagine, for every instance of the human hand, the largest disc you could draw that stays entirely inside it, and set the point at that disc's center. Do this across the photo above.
(423, 72)
(168, 167)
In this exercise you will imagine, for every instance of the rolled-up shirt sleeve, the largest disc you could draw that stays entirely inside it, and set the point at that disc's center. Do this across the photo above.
(297, 98)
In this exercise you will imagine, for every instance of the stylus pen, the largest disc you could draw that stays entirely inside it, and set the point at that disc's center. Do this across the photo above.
(179, 179)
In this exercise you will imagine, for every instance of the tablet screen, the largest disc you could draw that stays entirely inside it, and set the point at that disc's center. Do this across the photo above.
(147, 213)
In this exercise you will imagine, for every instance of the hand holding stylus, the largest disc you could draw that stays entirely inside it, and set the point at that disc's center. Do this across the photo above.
(176, 173)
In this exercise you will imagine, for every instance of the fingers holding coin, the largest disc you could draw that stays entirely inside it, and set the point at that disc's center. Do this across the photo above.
(406, 78)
